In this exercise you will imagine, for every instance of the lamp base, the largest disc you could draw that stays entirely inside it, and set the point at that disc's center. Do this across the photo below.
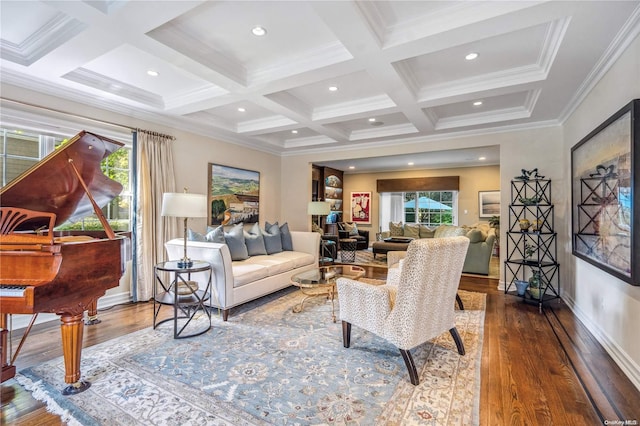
(185, 263)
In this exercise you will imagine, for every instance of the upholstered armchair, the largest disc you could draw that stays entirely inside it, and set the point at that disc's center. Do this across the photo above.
(415, 309)
(395, 261)
(350, 230)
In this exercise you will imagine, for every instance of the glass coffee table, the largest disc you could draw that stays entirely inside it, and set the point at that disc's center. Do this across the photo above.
(322, 282)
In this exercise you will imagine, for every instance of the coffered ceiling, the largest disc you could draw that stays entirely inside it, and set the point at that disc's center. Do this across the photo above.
(399, 67)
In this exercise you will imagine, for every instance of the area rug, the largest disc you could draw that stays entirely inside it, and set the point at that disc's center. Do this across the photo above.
(268, 365)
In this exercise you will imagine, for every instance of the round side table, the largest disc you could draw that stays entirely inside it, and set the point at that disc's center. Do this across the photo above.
(183, 294)
(348, 247)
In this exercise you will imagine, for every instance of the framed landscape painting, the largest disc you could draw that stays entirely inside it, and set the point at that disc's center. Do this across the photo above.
(361, 207)
(234, 195)
(489, 203)
(605, 194)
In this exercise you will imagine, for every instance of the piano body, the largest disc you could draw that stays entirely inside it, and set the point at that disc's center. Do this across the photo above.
(64, 275)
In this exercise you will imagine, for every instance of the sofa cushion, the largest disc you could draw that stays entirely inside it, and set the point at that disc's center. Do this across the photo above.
(411, 230)
(287, 243)
(244, 272)
(396, 229)
(298, 258)
(255, 241)
(274, 264)
(426, 232)
(272, 238)
(234, 239)
(476, 236)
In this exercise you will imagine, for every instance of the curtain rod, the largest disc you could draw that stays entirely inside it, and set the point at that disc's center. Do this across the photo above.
(68, 114)
(152, 133)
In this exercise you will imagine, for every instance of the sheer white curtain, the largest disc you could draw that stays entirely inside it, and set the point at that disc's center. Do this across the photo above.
(155, 177)
(391, 208)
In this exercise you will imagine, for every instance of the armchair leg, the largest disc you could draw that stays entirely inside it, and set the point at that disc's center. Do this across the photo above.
(411, 366)
(458, 340)
(460, 305)
(346, 334)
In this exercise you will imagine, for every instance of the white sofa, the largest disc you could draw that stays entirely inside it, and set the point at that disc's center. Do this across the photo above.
(236, 282)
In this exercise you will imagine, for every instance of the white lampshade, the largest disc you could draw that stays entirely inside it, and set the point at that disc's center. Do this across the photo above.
(184, 204)
(319, 208)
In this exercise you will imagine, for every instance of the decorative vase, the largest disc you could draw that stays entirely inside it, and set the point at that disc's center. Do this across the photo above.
(536, 225)
(521, 287)
(535, 282)
(524, 224)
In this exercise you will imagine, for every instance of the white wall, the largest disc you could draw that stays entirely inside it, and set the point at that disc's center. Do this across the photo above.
(609, 307)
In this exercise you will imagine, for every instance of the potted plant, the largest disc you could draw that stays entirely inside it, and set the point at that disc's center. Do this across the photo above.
(494, 222)
(535, 283)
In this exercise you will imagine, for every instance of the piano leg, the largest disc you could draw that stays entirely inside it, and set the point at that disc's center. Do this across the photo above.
(92, 314)
(8, 371)
(72, 328)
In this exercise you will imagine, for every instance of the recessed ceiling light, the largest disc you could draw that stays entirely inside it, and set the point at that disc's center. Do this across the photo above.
(372, 120)
(410, 163)
(294, 132)
(333, 88)
(477, 103)
(482, 158)
(241, 109)
(352, 167)
(152, 73)
(258, 31)
(471, 56)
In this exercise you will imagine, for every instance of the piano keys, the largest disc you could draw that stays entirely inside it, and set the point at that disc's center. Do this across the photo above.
(64, 275)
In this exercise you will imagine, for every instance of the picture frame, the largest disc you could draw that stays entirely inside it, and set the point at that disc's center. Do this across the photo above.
(233, 195)
(361, 207)
(488, 204)
(605, 188)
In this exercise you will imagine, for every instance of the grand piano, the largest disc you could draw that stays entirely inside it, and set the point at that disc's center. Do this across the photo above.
(43, 271)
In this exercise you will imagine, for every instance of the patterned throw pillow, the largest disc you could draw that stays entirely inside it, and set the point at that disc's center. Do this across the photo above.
(351, 227)
(396, 229)
(316, 228)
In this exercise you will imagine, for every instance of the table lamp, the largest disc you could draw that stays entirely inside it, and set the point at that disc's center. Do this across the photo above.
(318, 208)
(183, 204)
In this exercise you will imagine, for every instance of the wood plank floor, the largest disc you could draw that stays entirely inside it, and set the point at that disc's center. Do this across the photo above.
(537, 369)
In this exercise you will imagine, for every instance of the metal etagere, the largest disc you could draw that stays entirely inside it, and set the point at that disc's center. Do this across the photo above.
(531, 243)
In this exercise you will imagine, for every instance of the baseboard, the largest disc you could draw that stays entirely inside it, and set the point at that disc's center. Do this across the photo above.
(619, 356)
(19, 322)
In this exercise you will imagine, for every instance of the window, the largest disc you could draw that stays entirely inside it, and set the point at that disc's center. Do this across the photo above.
(430, 208)
(21, 150)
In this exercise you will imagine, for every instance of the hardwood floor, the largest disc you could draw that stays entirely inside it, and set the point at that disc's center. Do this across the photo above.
(537, 369)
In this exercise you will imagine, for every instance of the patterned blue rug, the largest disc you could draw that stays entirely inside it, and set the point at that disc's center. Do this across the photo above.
(268, 365)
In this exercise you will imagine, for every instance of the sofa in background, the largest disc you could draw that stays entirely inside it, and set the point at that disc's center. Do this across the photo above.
(481, 240)
(235, 282)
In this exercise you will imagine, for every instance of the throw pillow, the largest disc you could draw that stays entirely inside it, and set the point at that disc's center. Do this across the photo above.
(396, 229)
(287, 242)
(411, 230)
(426, 232)
(316, 228)
(254, 240)
(352, 228)
(272, 238)
(235, 241)
(195, 236)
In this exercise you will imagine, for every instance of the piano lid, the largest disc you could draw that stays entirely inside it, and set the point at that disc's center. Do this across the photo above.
(51, 185)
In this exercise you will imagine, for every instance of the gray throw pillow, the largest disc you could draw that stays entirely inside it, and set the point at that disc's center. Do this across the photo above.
(213, 235)
(272, 238)
(195, 236)
(235, 241)
(255, 241)
(287, 242)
